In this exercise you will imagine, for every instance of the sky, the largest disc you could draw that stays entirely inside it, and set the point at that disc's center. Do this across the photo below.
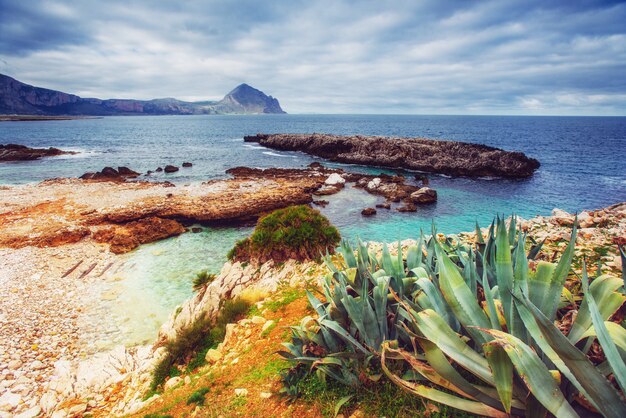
(390, 57)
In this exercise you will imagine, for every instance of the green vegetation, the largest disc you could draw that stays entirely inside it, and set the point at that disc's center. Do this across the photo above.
(191, 344)
(157, 416)
(470, 327)
(288, 296)
(198, 396)
(296, 232)
(202, 280)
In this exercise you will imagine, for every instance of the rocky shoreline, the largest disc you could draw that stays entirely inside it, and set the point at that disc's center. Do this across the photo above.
(45, 369)
(15, 152)
(125, 214)
(426, 155)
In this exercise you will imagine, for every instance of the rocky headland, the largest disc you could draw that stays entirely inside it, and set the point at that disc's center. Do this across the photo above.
(15, 152)
(426, 155)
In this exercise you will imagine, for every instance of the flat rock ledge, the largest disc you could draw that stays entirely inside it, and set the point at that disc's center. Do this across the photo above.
(421, 154)
(15, 152)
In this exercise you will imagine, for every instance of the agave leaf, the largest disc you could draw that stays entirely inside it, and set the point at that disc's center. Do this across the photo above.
(344, 335)
(534, 250)
(534, 373)
(341, 402)
(386, 261)
(616, 332)
(460, 297)
(413, 258)
(608, 345)
(316, 304)
(560, 275)
(570, 360)
(434, 328)
(479, 235)
(512, 229)
(380, 293)
(491, 306)
(603, 289)
(363, 317)
(437, 302)
(539, 284)
(348, 254)
(437, 395)
(504, 271)
(440, 364)
(502, 369)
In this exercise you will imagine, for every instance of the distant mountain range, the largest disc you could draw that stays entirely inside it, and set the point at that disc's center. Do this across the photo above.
(23, 99)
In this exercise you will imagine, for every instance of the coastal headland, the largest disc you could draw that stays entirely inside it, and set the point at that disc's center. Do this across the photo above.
(426, 155)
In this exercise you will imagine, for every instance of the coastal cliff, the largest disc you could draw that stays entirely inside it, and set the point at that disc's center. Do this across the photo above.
(23, 99)
(425, 155)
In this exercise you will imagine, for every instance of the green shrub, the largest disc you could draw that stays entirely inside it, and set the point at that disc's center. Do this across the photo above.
(296, 232)
(198, 396)
(202, 279)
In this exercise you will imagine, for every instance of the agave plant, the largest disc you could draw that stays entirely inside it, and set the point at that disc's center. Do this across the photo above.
(476, 323)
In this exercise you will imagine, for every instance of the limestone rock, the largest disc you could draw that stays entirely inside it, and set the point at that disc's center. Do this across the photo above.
(213, 356)
(172, 382)
(424, 195)
(335, 180)
(257, 320)
(241, 392)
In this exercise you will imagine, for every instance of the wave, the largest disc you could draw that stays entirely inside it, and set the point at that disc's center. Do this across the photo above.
(80, 153)
(273, 154)
(254, 146)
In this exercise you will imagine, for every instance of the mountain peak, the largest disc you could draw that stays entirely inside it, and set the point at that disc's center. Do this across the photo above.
(246, 99)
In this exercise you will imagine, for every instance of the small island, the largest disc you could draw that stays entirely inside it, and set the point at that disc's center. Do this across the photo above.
(426, 155)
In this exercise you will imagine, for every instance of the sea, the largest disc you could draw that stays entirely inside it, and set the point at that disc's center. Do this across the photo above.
(583, 166)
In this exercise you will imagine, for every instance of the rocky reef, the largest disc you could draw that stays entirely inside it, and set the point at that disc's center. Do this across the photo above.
(15, 152)
(421, 154)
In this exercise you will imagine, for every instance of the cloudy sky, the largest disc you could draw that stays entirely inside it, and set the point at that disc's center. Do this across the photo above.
(427, 57)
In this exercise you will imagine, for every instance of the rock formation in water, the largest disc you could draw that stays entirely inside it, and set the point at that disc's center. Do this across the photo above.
(23, 99)
(14, 152)
(426, 155)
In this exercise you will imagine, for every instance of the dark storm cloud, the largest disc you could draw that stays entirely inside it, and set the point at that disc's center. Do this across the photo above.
(540, 57)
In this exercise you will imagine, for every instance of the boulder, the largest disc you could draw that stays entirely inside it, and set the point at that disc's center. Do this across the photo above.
(562, 218)
(322, 203)
(196, 229)
(327, 190)
(424, 195)
(127, 172)
(159, 169)
(335, 180)
(187, 165)
(213, 356)
(368, 212)
(172, 382)
(170, 169)
(385, 205)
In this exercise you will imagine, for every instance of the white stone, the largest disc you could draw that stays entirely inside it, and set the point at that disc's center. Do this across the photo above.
(267, 325)
(78, 409)
(10, 400)
(15, 364)
(258, 320)
(48, 402)
(37, 365)
(30, 413)
(374, 183)
(241, 392)
(172, 382)
(265, 395)
(335, 180)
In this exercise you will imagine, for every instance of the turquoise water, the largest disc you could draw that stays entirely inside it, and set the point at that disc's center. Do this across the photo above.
(583, 166)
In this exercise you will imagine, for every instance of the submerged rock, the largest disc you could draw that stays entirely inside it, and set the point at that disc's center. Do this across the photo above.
(187, 165)
(426, 155)
(170, 169)
(368, 212)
